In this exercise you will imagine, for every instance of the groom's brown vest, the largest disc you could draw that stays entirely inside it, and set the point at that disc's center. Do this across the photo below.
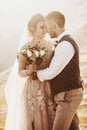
(69, 78)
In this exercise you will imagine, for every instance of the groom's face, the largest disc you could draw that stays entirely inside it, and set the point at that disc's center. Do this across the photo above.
(51, 28)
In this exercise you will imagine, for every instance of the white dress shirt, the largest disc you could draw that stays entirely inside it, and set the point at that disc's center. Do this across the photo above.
(63, 54)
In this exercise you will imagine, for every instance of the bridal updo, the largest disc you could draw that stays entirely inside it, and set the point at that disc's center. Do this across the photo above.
(32, 24)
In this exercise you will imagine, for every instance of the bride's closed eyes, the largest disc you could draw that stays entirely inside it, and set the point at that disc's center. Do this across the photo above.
(42, 27)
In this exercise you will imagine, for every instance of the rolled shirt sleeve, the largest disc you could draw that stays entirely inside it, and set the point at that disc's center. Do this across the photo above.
(63, 54)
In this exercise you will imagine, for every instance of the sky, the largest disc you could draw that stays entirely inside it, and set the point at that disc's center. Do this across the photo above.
(14, 15)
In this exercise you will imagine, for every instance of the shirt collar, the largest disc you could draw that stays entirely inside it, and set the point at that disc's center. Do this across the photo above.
(60, 36)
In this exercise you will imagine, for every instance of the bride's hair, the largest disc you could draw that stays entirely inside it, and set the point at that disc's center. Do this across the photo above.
(33, 22)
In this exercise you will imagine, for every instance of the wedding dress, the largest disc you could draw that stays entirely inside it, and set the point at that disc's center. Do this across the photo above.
(37, 97)
(30, 102)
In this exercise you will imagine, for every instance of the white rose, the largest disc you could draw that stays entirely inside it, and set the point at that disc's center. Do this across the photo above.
(36, 53)
(24, 51)
(29, 53)
(42, 53)
(53, 48)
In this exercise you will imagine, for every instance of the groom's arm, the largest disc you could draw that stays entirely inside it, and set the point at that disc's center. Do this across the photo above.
(63, 54)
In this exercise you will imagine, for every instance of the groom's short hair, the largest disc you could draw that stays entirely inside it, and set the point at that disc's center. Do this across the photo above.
(58, 17)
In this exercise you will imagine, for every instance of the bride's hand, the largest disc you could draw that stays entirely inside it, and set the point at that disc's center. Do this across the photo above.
(31, 68)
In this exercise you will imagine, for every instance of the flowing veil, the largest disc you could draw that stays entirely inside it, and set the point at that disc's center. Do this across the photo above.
(14, 79)
(13, 93)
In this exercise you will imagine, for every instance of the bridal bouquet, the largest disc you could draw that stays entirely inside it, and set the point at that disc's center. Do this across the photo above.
(34, 55)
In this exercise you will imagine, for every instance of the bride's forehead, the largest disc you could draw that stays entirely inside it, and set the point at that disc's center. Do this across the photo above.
(41, 23)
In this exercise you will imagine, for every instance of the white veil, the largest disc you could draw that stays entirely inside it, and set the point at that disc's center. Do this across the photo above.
(13, 94)
(14, 79)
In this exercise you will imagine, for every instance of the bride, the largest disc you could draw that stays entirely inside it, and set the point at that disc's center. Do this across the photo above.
(31, 107)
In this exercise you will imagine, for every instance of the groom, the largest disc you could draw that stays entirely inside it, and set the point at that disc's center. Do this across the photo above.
(64, 74)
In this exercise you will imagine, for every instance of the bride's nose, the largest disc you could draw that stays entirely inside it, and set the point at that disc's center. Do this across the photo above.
(45, 29)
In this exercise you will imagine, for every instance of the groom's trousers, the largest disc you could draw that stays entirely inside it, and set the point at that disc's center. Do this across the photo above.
(67, 105)
(75, 123)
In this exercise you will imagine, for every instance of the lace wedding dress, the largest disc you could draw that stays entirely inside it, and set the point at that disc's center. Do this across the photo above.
(37, 100)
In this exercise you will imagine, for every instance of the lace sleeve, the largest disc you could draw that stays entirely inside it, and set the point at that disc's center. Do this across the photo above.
(22, 62)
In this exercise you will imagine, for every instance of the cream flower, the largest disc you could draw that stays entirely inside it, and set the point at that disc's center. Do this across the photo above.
(36, 53)
(42, 53)
(24, 51)
(29, 53)
(55, 44)
(53, 48)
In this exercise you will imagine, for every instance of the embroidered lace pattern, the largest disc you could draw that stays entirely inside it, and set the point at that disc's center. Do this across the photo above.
(38, 95)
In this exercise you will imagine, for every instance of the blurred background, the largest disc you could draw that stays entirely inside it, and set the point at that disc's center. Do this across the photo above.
(14, 15)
